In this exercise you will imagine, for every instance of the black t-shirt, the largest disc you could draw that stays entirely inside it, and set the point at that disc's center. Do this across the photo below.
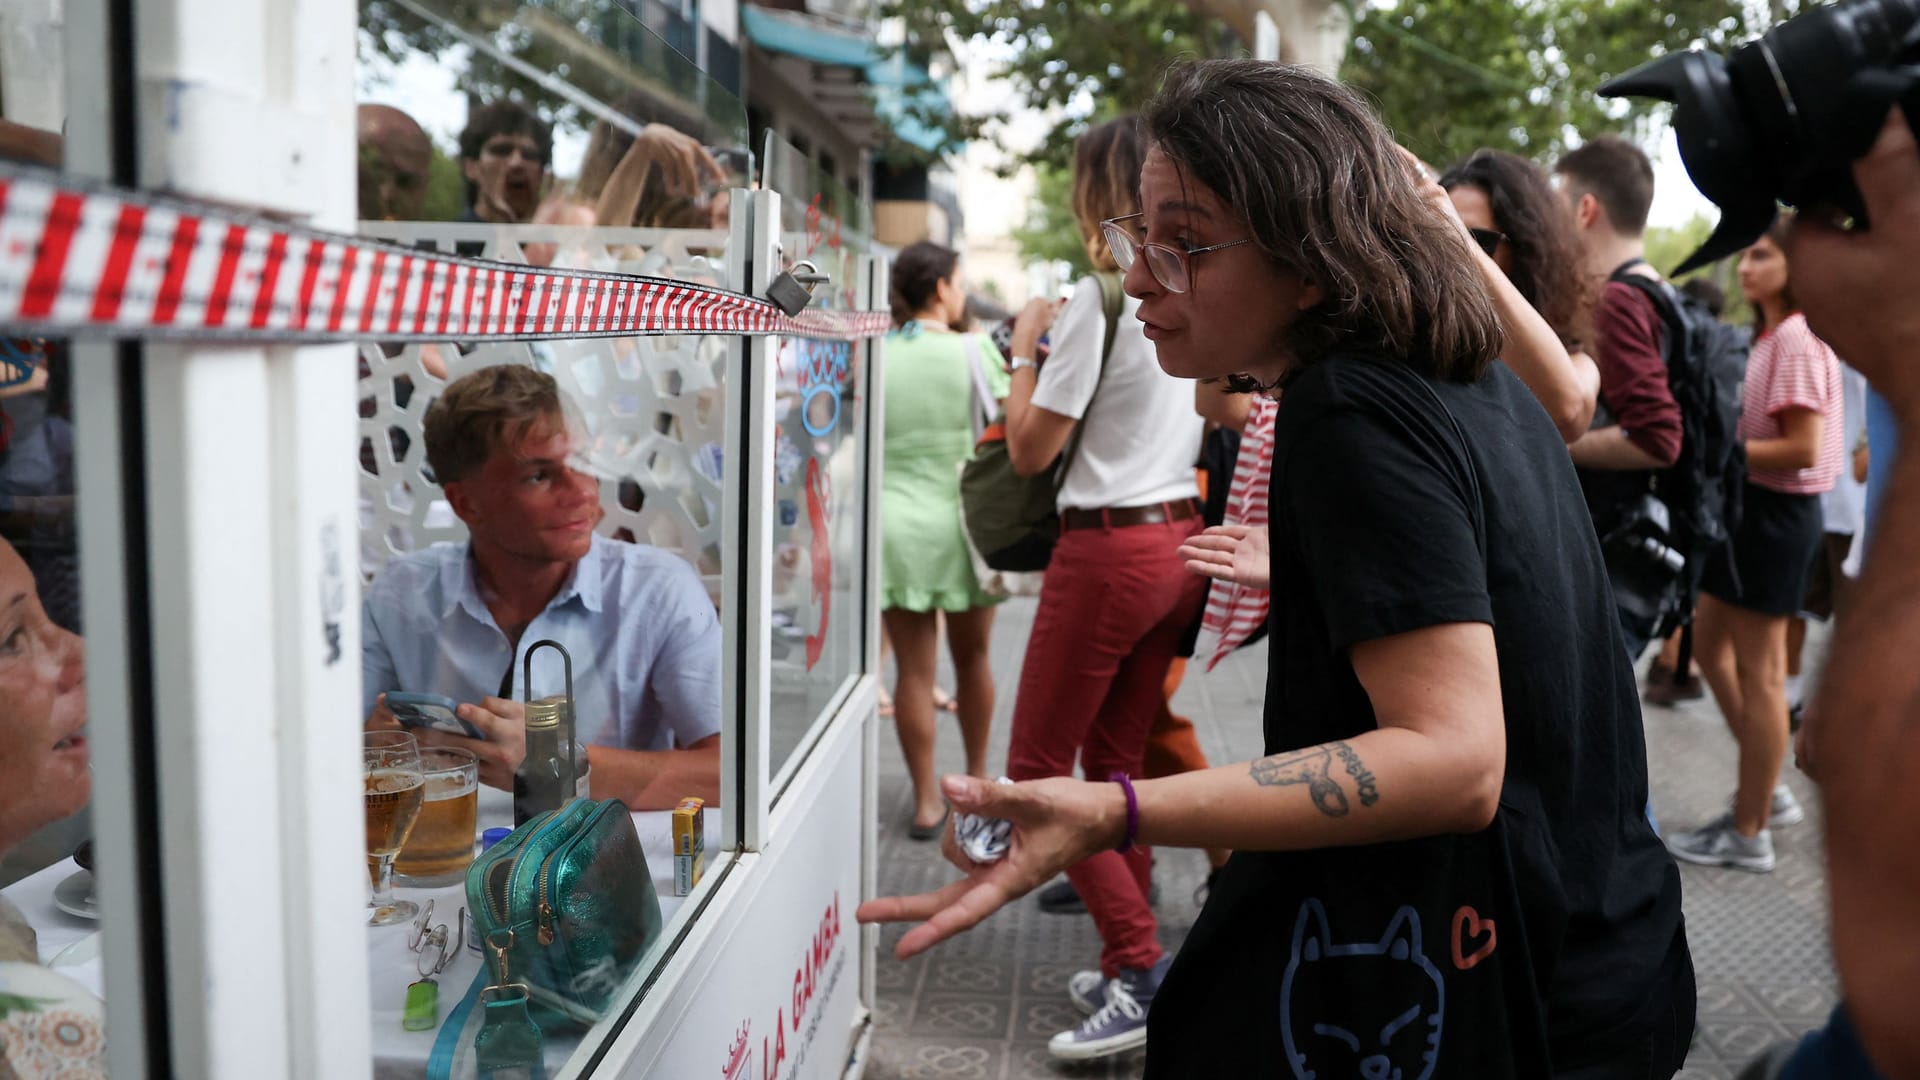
(1539, 943)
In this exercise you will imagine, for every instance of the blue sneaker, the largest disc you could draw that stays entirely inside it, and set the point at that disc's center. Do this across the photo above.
(1120, 1024)
(1088, 990)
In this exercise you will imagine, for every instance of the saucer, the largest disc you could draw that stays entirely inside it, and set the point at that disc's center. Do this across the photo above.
(75, 896)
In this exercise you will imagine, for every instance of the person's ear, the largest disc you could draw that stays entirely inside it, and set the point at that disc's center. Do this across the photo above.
(470, 169)
(1310, 295)
(1588, 210)
(460, 501)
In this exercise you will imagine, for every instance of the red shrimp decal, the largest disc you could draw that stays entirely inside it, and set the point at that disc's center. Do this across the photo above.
(819, 492)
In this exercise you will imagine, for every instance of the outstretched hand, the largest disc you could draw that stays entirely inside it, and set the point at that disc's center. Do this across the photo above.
(1056, 823)
(1235, 553)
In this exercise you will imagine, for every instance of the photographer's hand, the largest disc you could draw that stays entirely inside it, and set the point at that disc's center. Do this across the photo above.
(1858, 288)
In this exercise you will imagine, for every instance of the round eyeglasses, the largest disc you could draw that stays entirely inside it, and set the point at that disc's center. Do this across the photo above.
(1169, 264)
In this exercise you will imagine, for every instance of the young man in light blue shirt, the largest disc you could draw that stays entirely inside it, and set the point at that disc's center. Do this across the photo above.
(457, 619)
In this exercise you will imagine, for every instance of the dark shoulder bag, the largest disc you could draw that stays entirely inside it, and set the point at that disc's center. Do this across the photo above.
(1014, 520)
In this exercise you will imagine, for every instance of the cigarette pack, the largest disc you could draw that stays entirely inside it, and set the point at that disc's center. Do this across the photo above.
(689, 845)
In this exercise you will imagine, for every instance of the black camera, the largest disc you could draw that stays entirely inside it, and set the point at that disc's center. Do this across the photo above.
(1781, 119)
(1641, 559)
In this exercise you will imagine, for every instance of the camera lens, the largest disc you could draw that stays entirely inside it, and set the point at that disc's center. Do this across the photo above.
(1782, 118)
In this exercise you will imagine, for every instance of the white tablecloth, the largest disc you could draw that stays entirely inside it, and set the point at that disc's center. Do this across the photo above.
(397, 1053)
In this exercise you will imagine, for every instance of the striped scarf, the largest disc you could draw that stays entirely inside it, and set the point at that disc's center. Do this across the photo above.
(1234, 612)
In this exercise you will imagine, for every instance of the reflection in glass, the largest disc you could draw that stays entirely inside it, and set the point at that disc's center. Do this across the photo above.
(565, 490)
(520, 461)
(50, 945)
(819, 464)
(556, 112)
(44, 778)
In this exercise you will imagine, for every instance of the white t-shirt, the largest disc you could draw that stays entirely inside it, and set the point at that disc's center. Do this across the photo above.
(1844, 506)
(1139, 442)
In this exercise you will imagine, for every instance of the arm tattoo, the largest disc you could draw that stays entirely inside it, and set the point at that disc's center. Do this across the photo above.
(1314, 767)
(1362, 776)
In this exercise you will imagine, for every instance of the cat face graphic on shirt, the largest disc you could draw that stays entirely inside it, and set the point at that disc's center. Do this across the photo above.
(1369, 1011)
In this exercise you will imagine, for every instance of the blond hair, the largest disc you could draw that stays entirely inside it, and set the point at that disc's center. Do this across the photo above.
(1106, 182)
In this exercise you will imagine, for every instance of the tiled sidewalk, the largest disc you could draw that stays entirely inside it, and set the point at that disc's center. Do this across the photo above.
(981, 1007)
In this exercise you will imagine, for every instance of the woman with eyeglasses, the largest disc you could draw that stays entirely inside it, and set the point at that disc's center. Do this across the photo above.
(1441, 869)
(1508, 207)
(1117, 598)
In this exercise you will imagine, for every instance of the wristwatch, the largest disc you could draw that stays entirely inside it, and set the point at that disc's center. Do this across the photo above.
(1024, 362)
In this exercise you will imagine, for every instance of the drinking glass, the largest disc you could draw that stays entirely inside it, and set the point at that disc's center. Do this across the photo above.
(441, 847)
(395, 787)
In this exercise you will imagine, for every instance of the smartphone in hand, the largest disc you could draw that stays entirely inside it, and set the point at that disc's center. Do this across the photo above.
(435, 712)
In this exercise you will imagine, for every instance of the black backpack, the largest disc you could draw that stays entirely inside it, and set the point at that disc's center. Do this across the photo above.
(1706, 371)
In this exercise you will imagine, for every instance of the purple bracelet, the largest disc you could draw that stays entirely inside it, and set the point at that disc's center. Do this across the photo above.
(1133, 811)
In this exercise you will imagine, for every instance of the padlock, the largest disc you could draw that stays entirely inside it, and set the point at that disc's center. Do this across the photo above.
(788, 294)
(792, 291)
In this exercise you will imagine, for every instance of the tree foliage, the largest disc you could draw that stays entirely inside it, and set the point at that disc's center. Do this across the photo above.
(1077, 61)
(598, 48)
(1451, 76)
(1051, 234)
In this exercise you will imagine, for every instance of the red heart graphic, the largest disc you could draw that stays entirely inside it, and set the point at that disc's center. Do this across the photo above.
(1468, 922)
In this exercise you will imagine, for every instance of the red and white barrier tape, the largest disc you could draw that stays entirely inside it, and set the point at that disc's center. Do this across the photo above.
(85, 260)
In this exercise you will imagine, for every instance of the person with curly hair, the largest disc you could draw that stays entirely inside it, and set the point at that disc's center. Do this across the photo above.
(1513, 215)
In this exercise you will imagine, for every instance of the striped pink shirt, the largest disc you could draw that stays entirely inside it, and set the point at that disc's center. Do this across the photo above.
(1791, 368)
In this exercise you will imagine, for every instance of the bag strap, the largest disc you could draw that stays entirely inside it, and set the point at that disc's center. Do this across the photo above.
(1112, 301)
(982, 393)
(447, 1044)
(1620, 272)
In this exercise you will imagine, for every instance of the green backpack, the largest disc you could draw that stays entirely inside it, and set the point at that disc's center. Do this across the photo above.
(1014, 520)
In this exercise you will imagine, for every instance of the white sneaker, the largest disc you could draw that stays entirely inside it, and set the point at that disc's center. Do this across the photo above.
(1785, 809)
(1720, 844)
(1088, 989)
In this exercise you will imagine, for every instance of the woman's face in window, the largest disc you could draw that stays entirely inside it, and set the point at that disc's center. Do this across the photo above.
(1237, 304)
(43, 710)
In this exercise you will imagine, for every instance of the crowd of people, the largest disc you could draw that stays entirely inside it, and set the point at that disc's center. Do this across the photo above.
(1494, 486)
(1462, 427)
(636, 171)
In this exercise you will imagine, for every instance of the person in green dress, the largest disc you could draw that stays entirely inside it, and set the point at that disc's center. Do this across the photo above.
(934, 381)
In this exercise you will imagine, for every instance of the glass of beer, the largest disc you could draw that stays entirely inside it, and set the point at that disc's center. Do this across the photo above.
(441, 846)
(395, 787)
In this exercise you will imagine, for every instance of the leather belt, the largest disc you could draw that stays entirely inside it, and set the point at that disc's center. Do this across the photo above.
(1112, 518)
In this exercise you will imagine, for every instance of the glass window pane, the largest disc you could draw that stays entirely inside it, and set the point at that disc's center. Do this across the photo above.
(514, 493)
(50, 945)
(820, 466)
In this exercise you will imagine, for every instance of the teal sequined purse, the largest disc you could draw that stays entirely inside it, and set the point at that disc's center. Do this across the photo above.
(566, 906)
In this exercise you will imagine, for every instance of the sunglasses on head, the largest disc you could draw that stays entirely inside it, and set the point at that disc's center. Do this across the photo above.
(1488, 239)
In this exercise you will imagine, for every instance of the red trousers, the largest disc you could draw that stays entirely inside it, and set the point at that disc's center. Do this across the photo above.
(1112, 611)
